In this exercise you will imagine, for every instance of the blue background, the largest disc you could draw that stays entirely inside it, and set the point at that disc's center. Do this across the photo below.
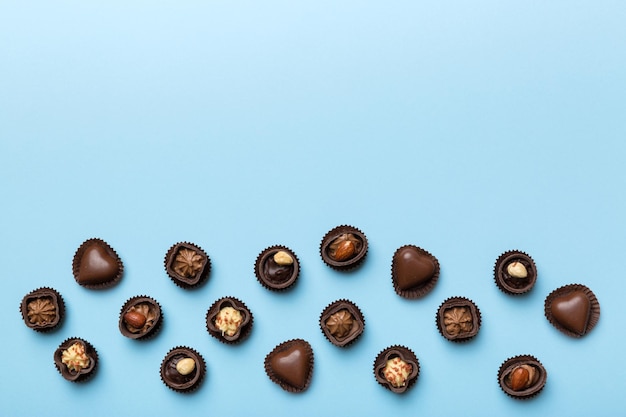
(466, 128)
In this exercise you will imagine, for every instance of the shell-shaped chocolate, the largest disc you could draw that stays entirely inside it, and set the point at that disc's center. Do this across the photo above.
(522, 376)
(277, 268)
(396, 368)
(229, 320)
(515, 272)
(183, 378)
(344, 248)
(76, 359)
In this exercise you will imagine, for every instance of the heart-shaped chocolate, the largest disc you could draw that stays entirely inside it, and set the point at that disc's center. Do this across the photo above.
(572, 311)
(96, 263)
(413, 267)
(290, 365)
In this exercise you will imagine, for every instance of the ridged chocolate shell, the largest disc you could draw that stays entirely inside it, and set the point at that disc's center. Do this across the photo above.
(290, 365)
(149, 330)
(571, 296)
(180, 280)
(168, 370)
(404, 354)
(419, 289)
(265, 260)
(86, 373)
(508, 366)
(458, 302)
(244, 328)
(105, 271)
(358, 322)
(511, 285)
(57, 304)
(350, 263)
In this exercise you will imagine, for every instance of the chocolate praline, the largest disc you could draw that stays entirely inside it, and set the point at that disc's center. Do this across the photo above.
(515, 272)
(76, 359)
(414, 271)
(229, 332)
(173, 378)
(148, 310)
(522, 377)
(572, 309)
(290, 365)
(344, 248)
(187, 265)
(96, 265)
(277, 268)
(458, 319)
(342, 322)
(42, 309)
(408, 363)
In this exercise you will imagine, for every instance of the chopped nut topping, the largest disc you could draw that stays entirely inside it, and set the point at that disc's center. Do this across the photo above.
(228, 320)
(340, 323)
(397, 371)
(458, 320)
(41, 311)
(188, 263)
(75, 357)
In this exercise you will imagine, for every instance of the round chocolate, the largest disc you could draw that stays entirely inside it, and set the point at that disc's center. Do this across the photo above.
(573, 309)
(414, 271)
(222, 326)
(140, 318)
(187, 265)
(342, 322)
(290, 365)
(522, 377)
(458, 319)
(277, 268)
(396, 368)
(96, 265)
(515, 272)
(182, 379)
(76, 359)
(42, 309)
(343, 248)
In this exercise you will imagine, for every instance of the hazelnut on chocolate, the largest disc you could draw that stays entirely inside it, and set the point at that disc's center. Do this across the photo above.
(140, 317)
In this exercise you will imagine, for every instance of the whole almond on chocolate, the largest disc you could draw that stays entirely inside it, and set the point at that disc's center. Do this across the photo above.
(135, 319)
(345, 251)
(520, 378)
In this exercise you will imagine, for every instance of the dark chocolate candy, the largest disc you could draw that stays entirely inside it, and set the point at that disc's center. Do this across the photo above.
(396, 368)
(96, 265)
(76, 359)
(140, 317)
(277, 268)
(414, 271)
(342, 322)
(515, 272)
(290, 365)
(573, 309)
(226, 329)
(343, 248)
(182, 378)
(522, 377)
(42, 309)
(187, 265)
(458, 319)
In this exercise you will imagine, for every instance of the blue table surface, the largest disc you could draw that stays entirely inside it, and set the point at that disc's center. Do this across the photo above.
(465, 128)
